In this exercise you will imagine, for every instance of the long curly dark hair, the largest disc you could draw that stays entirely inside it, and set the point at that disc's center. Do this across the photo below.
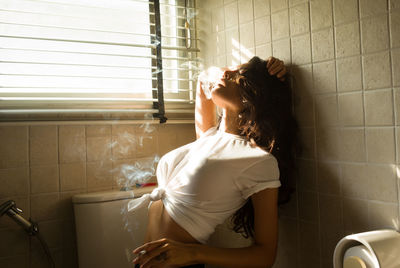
(267, 121)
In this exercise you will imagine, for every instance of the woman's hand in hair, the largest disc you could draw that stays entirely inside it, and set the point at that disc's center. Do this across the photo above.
(165, 252)
(276, 67)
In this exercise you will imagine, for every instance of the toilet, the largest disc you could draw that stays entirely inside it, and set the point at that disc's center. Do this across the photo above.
(106, 233)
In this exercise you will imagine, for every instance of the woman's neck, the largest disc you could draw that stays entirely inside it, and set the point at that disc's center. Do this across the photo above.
(230, 122)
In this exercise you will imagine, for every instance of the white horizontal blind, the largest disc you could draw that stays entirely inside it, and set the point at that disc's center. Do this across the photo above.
(85, 58)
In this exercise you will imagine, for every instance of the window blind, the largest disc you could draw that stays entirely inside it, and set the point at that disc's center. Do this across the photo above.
(98, 59)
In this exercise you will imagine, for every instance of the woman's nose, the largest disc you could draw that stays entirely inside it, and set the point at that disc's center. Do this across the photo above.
(227, 74)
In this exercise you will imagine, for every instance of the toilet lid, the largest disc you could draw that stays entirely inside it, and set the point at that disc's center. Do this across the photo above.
(110, 195)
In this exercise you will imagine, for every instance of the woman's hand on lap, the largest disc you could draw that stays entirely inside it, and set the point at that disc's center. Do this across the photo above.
(164, 252)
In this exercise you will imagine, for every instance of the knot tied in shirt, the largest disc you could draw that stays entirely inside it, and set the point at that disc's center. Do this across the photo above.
(144, 200)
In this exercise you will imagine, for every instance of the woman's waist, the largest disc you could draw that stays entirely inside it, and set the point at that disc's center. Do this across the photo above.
(162, 225)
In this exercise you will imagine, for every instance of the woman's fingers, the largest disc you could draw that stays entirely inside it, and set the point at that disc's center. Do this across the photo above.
(156, 256)
(282, 73)
(270, 61)
(150, 245)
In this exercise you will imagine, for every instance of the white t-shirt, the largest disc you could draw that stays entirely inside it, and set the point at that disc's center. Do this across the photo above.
(203, 183)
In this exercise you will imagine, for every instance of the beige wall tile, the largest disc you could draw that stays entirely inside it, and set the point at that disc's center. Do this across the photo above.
(309, 246)
(394, 28)
(355, 215)
(299, 19)
(98, 148)
(321, 14)
(355, 183)
(383, 215)
(73, 176)
(123, 171)
(14, 182)
(217, 18)
(328, 143)
(262, 29)
(345, 11)
(15, 262)
(281, 50)
(13, 242)
(72, 144)
(352, 145)
(331, 222)
(398, 150)
(232, 41)
(372, 7)
(168, 138)
(232, 18)
(68, 234)
(307, 180)
(288, 240)
(396, 92)
(45, 207)
(374, 34)
(277, 5)
(147, 143)
(304, 111)
(124, 142)
(246, 33)
(65, 207)
(98, 130)
(396, 66)
(246, 10)
(379, 108)
(280, 25)
(394, 4)
(347, 38)
(322, 45)
(289, 209)
(220, 43)
(308, 206)
(44, 179)
(382, 183)
(13, 146)
(328, 178)
(302, 80)
(264, 51)
(43, 148)
(324, 76)
(52, 233)
(380, 145)
(326, 110)
(296, 2)
(99, 174)
(349, 74)
(261, 8)
(301, 49)
(351, 112)
(377, 70)
(307, 139)
(221, 61)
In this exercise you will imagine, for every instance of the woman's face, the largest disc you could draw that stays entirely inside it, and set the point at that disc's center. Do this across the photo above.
(227, 93)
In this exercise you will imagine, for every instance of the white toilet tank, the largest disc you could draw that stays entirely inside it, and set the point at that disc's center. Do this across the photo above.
(106, 233)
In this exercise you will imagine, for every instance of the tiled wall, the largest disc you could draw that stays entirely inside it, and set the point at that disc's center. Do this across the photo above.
(43, 166)
(345, 59)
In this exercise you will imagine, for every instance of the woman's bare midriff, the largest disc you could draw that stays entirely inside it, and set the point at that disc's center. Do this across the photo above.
(161, 225)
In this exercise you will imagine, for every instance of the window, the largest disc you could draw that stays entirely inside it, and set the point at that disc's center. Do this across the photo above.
(96, 59)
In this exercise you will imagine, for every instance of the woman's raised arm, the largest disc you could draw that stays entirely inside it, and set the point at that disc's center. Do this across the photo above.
(205, 116)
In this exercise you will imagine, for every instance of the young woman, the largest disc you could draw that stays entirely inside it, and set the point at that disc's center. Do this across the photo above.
(233, 168)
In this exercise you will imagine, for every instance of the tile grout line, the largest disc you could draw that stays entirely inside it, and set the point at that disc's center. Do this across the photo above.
(397, 145)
